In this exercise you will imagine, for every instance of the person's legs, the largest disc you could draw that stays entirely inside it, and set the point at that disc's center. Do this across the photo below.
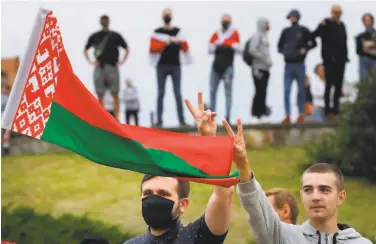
(136, 117)
(228, 77)
(176, 82)
(214, 83)
(113, 80)
(300, 77)
(127, 116)
(363, 67)
(263, 91)
(339, 70)
(288, 79)
(329, 74)
(99, 83)
(161, 78)
(256, 75)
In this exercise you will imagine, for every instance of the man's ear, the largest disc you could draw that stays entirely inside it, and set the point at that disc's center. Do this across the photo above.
(184, 202)
(286, 211)
(341, 197)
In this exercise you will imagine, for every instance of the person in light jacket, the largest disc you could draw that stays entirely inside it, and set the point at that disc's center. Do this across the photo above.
(259, 49)
(322, 193)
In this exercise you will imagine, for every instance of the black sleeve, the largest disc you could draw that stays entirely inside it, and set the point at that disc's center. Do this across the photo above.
(122, 42)
(281, 41)
(203, 234)
(90, 42)
(319, 32)
(359, 45)
(309, 42)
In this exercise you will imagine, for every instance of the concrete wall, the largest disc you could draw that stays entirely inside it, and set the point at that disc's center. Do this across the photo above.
(255, 136)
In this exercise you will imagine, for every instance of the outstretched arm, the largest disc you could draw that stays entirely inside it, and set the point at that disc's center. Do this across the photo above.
(219, 208)
(264, 221)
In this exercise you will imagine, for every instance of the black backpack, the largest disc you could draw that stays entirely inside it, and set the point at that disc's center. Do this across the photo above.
(247, 57)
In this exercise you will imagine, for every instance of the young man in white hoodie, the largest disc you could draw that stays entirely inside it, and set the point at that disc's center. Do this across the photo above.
(322, 193)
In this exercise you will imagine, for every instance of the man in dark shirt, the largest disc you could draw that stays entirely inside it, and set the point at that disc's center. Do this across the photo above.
(106, 73)
(294, 43)
(334, 54)
(167, 48)
(223, 43)
(366, 46)
(165, 199)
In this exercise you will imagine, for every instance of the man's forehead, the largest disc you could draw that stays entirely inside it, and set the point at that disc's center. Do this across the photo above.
(167, 11)
(319, 179)
(336, 8)
(161, 183)
(226, 17)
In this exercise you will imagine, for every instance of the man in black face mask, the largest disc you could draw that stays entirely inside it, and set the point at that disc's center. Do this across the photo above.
(164, 200)
(168, 51)
(223, 44)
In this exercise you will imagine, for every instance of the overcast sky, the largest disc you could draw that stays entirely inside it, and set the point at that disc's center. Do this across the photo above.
(198, 20)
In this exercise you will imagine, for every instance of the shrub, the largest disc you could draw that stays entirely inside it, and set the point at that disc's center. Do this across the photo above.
(353, 147)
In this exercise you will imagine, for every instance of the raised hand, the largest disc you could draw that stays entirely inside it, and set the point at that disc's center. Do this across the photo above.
(206, 124)
(240, 151)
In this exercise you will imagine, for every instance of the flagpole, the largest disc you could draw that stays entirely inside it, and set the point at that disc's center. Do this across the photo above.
(23, 71)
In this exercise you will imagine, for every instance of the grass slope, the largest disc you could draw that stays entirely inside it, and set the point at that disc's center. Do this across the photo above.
(68, 184)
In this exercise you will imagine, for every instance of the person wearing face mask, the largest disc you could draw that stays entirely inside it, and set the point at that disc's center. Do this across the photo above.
(366, 46)
(224, 43)
(259, 49)
(333, 34)
(167, 52)
(322, 192)
(294, 43)
(164, 201)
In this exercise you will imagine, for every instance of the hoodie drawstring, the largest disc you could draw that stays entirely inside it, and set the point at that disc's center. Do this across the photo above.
(318, 232)
(335, 238)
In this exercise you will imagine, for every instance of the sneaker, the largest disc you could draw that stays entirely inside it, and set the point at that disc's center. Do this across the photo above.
(300, 119)
(286, 120)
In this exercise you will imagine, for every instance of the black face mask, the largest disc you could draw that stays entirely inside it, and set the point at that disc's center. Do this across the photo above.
(225, 25)
(156, 211)
(167, 19)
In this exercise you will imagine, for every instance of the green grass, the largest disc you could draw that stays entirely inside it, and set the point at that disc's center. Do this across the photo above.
(68, 184)
(24, 226)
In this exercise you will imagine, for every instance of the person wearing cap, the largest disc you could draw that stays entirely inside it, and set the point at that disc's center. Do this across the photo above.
(366, 46)
(294, 43)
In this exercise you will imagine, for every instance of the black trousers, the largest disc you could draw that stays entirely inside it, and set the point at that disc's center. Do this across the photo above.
(260, 79)
(129, 114)
(334, 73)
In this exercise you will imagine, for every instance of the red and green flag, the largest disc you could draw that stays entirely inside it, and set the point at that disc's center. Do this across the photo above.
(49, 102)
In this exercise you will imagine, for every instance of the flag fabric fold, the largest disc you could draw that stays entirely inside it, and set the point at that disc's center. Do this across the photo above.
(228, 38)
(49, 102)
(158, 43)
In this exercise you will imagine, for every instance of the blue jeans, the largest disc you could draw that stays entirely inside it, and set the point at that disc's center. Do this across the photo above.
(175, 72)
(294, 72)
(366, 65)
(215, 79)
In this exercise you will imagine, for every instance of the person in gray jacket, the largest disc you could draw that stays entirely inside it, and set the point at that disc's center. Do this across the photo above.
(322, 192)
(261, 64)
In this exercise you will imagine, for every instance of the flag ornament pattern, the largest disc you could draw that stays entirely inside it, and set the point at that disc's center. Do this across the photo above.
(49, 102)
(228, 38)
(35, 107)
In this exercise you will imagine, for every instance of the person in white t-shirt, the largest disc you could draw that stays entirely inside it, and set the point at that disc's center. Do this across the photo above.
(318, 91)
(108, 103)
(132, 103)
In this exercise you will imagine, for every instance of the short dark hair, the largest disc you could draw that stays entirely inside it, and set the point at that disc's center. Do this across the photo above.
(328, 168)
(105, 17)
(283, 196)
(184, 187)
(369, 15)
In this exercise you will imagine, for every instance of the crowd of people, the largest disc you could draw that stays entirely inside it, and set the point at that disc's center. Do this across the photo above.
(272, 215)
(169, 49)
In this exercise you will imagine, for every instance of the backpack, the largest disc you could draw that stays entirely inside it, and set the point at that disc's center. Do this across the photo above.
(247, 57)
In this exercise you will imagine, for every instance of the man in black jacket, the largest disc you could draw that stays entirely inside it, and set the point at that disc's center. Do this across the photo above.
(334, 54)
(366, 46)
(294, 43)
